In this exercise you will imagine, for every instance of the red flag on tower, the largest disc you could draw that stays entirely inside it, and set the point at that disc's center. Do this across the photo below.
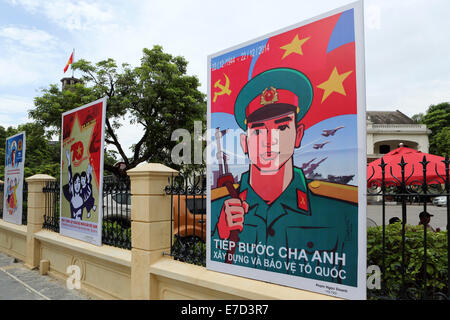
(69, 62)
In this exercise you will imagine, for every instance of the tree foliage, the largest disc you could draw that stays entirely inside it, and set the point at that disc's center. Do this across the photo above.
(158, 95)
(437, 119)
(418, 118)
(41, 155)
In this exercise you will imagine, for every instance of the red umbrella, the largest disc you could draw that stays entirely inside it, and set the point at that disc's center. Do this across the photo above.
(413, 168)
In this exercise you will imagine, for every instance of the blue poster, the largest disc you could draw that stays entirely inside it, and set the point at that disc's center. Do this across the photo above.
(13, 183)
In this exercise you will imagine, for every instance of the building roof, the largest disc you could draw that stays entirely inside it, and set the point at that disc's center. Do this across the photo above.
(388, 117)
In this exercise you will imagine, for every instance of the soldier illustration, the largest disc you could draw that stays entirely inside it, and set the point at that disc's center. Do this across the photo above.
(276, 206)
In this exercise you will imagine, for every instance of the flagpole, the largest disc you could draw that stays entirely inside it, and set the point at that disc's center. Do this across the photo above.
(73, 59)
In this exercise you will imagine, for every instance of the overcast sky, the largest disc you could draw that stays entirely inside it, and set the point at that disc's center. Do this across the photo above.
(406, 42)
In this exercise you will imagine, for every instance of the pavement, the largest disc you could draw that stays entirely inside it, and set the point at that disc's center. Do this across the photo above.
(19, 283)
(439, 219)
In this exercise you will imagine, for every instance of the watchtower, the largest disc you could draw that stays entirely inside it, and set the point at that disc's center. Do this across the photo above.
(66, 82)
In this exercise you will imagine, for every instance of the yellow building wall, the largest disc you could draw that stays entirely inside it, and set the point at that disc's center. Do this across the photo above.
(105, 271)
(13, 240)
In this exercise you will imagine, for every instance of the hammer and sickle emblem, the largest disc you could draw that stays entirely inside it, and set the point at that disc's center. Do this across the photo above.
(224, 89)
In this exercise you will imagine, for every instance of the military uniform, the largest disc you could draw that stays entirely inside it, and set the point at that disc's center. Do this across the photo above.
(301, 218)
(311, 229)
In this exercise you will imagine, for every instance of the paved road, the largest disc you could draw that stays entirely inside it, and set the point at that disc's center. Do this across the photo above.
(439, 219)
(20, 283)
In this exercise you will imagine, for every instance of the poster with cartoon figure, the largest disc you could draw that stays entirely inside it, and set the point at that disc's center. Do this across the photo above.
(13, 183)
(82, 172)
(286, 157)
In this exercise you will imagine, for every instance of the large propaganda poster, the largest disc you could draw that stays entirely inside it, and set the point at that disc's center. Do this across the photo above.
(287, 157)
(82, 172)
(13, 183)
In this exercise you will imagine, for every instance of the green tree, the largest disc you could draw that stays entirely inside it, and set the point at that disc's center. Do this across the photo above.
(442, 141)
(42, 156)
(418, 118)
(158, 95)
(437, 119)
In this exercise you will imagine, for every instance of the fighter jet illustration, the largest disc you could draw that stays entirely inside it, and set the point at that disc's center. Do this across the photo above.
(313, 167)
(331, 132)
(306, 164)
(320, 145)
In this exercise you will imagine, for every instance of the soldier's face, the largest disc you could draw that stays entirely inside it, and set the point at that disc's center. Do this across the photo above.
(271, 143)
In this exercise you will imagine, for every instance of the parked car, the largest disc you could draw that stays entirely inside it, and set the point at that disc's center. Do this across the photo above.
(189, 214)
(117, 207)
(189, 217)
(370, 223)
(440, 201)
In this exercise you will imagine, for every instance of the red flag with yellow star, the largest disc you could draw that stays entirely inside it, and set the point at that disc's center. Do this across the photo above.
(69, 62)
(323, 50)
(311, 49)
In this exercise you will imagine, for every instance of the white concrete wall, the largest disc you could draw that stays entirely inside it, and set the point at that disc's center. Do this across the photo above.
(394, 134)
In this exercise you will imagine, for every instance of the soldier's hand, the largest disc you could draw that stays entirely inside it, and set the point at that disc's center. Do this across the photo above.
(232, 217)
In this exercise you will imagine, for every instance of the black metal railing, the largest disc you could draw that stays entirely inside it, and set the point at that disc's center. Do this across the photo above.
(51, 214)
(24, 202)
(2, 199)
(188, 214)
(414, 260)
(116, 223)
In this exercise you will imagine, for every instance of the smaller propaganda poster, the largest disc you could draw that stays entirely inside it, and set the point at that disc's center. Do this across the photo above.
(81, 183)
(13, 183)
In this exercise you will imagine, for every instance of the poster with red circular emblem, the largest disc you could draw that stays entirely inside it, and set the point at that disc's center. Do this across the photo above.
(286, 157)
(81, 182)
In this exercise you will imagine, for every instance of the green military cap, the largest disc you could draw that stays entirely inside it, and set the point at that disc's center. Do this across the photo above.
(271, 93)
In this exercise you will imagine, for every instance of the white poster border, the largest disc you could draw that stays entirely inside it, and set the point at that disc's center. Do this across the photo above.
(71, 233)
(317, 286)
(19, 191)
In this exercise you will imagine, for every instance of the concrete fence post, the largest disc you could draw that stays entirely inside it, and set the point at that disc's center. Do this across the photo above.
(150, 223)
(35, 215)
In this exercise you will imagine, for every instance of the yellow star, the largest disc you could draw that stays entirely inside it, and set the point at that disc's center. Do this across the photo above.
(334, 83)
(294, 47)
(79, 151)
